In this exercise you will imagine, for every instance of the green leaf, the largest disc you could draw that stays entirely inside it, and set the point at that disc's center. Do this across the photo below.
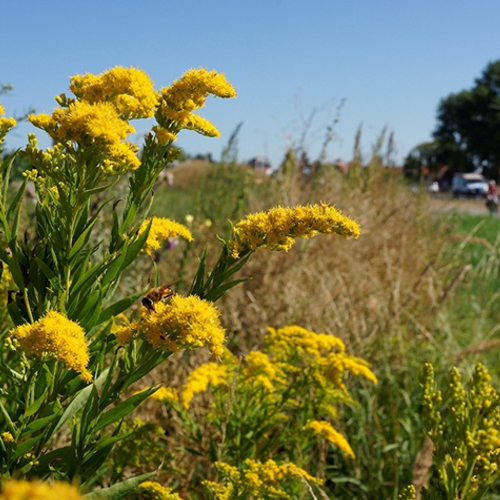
(97, 456)
(49, 273)
(10, 423)
(33, 408)
(123, 409)
(135, 247)
(5, 169)
(39, 423)
(14, 210)
(119, 490)
(79, 401)
(199, 279)
(24, 447)
(82, 239)
(114, 268)
(216, 293)
(88, 277)
(120, 306)
(62, 456)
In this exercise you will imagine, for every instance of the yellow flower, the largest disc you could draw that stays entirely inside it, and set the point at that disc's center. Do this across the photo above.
(201, 125)
(7, 437)
(163, 135)
(260, 370)
(159, 492)
(120, 157)
(5, 123)
(277, 228)
(294, 341)
(37, 490)
(186, 322)
(258, 479)
(56, 335)
(188, 94)
(125, 334)
(336, 364)
(83, 122)
(162, 229)
(209, 374)
(166, 394)
(324, 429)
(130, 90)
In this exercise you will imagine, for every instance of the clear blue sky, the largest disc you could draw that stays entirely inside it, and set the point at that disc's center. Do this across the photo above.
(391, 59)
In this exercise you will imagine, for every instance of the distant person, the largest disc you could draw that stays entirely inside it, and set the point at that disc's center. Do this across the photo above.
(492, 197)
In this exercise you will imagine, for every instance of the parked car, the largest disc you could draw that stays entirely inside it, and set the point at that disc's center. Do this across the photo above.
(470, 185)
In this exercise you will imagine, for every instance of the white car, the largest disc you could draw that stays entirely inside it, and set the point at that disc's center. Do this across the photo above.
(469, 185)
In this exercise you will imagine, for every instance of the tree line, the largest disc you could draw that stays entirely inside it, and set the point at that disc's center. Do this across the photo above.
(467, 134)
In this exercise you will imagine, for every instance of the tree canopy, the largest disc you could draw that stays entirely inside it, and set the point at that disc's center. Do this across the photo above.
(467, 135)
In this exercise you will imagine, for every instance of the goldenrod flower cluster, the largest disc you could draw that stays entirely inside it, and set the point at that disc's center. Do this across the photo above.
(259, 370)
(5, 124)
(37, 490)
(301, 373)
(184, 96)
(97, 120)
(130, 90)
(208, 374)
(166, 394)
(6, 284)
(7, 437)
(158, 492)
(324, 354)
(277, 228)
(96, 123)
(162, 229)
(257, 480)
(295, 341)
(185, 322)
(465, 428)
(58, 336)
(324, 429)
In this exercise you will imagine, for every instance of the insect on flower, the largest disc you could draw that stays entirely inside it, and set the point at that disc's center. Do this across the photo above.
(156, 295)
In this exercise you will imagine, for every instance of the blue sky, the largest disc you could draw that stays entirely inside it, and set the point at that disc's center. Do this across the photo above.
(391, 60)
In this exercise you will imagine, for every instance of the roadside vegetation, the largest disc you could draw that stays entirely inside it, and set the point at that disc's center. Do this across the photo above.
(231, 335)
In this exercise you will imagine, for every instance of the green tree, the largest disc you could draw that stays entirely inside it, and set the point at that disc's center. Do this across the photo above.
(468, 129)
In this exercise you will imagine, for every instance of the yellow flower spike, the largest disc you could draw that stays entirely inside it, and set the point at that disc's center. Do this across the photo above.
(340, 363)
(5, 123)
(185, 322)
(38, 490)
(166, 395)
(7, 437)
(209, 374)
(188, 94)
(163, 135)
(58, 336)
(261, 371)
(201, 125)
(83, 122)
(324, 429)
(130, 90)
(162, 229)
(294, 341)
(159, 492)
(277, 228)
(121, 157)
